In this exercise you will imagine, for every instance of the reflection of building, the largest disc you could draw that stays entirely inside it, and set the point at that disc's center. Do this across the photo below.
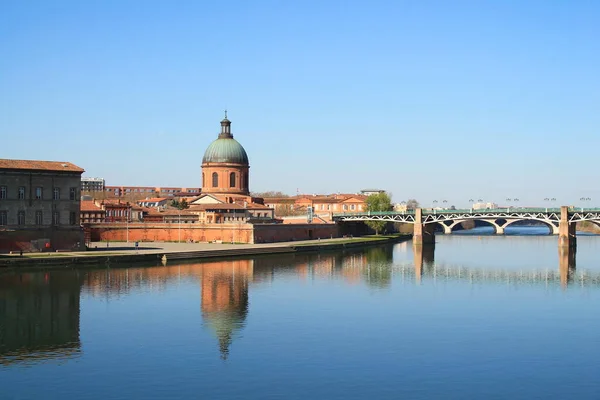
(39, 316)
(225, 298)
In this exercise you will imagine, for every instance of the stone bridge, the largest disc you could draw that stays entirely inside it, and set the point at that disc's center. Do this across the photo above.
(561, 221)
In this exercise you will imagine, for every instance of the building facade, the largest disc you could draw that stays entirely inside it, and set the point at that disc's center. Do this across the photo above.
(92, 184)
(39, 203)
(320, 204)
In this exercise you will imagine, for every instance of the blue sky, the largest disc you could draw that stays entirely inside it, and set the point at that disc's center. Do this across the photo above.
(433, 100)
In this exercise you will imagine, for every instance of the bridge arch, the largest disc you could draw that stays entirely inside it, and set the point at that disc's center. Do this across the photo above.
(553, 228)
(499, 224)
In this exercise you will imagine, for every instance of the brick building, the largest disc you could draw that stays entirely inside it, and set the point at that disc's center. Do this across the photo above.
(39, 205)
(321, 204)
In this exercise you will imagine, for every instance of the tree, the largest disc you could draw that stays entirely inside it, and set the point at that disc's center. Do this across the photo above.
(269, 194)
(378, 202)
(411, 204)
(180, 205)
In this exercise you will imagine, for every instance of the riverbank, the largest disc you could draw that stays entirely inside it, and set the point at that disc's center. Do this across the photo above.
(161, 253)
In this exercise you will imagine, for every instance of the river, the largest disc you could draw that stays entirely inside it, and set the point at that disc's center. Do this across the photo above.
(479, 316)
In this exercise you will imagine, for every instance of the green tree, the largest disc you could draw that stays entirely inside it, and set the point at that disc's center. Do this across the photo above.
(411, 204)
(378, 202)
(180, 205)
(269, 194)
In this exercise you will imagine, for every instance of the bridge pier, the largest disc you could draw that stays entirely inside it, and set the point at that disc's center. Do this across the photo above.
(423, 233)
(567, 237)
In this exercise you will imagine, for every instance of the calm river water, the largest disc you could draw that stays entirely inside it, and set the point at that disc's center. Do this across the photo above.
(480, 317)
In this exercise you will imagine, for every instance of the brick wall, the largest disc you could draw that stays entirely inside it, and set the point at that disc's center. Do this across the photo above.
(289, 232)
(32, 239)
(239, 233)
(162, 232)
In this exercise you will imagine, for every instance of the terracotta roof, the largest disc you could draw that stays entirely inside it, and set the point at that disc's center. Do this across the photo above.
(35, 165)
(221, 206)
(89, 205)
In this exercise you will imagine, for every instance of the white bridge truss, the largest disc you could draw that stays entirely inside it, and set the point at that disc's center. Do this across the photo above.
(500, 219)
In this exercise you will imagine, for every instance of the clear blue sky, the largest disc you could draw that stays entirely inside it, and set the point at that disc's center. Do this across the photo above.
(426, 99)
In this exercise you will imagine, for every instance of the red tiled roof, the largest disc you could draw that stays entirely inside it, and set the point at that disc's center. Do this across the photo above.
(89, 205)
(34, 165)
(220, 206)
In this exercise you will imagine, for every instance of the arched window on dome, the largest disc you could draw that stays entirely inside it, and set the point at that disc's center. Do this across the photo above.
(203, 180)
(215, 179)
(232, 179)
(245, 180)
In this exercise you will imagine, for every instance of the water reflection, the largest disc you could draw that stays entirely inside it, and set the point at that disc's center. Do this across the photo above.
(566, 259)
(39, 316)
(225, 298)
(40, 311)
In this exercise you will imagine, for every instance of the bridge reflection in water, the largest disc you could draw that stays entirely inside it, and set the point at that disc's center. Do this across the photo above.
(424, 265)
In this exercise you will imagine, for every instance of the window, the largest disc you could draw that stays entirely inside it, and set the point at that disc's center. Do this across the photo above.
(72, 193)
(55, 218)
(345, 207)
(72, 218)
(39, 218)
(21, 218)
(3, 217)
(39, 192)
(215, 179)
(21, 192)
(352, 207)
(56, 193)
(3, 192)
(245, 181)
(232, 179)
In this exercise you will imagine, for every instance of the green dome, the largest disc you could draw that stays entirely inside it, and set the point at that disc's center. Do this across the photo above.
(225, 150)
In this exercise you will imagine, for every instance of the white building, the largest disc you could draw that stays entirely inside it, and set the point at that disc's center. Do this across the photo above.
(484, 206)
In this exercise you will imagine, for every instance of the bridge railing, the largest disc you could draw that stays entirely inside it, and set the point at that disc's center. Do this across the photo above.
(429, 211)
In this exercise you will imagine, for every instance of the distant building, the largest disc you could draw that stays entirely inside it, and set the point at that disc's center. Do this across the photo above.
(39, 205)
(141, 192)
(484, 206)
(92, 184)
(368, 192)
(92, 213)
(401, 207)
(321, 204)
(154, 202)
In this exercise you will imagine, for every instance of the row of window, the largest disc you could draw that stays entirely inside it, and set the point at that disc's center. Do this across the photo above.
(39, 218)
(38, 194)
(232, 179)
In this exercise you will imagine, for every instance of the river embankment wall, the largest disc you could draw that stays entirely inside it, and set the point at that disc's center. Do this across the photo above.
(160, 258)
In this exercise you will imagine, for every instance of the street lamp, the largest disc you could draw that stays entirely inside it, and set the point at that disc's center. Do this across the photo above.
(434, 203)
(585, 199)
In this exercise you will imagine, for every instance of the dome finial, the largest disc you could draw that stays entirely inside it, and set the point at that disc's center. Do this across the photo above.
(226, 128)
